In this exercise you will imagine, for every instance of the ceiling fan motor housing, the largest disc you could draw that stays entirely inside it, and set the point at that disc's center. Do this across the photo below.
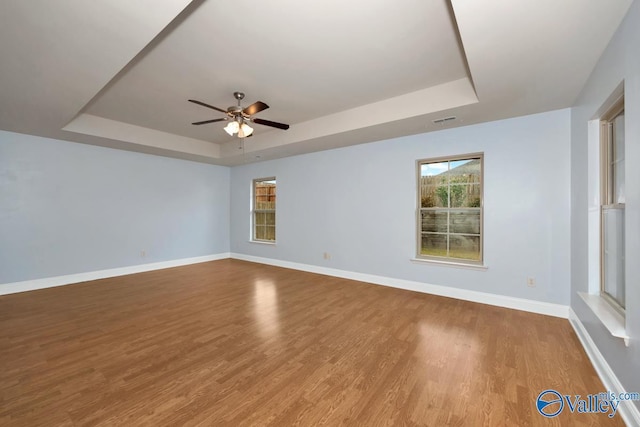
(234, 110)
(239, 114)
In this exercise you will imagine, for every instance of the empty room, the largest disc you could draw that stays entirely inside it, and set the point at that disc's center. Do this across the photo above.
(411, 213)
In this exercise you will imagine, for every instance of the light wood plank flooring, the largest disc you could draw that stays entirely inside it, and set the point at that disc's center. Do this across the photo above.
(236, 343)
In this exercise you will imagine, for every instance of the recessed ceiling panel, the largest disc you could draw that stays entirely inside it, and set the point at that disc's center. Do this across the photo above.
(532, 56)
(304, 59)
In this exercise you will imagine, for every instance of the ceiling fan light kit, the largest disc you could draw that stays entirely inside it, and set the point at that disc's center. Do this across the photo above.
(245, 130)
(239, 117)
(232, 128)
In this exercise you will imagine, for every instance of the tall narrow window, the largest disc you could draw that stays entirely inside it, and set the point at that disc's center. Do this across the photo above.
(612, 284)
(264, 210)
(450, 213)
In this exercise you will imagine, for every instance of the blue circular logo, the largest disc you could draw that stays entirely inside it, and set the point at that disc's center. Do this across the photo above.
(549, 403)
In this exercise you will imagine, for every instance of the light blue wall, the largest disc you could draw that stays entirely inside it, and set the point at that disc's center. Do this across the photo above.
(69, 208)
(620, 61)
(359, 204)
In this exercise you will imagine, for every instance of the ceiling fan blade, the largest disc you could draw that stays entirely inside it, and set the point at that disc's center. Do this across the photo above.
(254, 108)
(270, 123)
(208, 106)
(204, 122)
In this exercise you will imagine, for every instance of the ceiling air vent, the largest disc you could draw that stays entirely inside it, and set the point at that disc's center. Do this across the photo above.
(444, 120)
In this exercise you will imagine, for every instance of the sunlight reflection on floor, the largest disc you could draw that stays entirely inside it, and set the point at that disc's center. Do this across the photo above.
(265, 308)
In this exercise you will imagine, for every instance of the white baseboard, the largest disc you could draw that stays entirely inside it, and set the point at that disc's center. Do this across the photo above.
(549, 309)
(50, 282)
(628, 410)
(539, 307)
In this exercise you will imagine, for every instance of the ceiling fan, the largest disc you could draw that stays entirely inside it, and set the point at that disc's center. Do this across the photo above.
(240, 116)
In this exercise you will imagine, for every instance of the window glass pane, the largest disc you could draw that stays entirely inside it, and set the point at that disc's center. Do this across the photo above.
(474, 196)
(434, 245)
(428, 197)
(434, 180)
(618, 162)
(434, 221)
(260, 218)
(265, 194)
(270, 218)
(457, 193)
(468, 172)
(456, 165)
(465, 195)
(465, 171)
(618, 140)
(261, 232)
(613, 254)
(618, 190)
(467, 222)
(433, 169)
(270, 233)
(434, 196)
(465, 247)
(608, 196)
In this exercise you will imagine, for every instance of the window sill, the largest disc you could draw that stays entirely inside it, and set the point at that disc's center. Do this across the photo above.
(609, 316)
(450, 264)
(260, 242)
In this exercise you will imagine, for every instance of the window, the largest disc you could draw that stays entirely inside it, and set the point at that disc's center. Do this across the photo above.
(450, 209)
(612, 256)
(264, 210)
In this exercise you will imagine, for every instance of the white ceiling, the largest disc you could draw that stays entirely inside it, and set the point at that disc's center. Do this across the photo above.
(118, 73)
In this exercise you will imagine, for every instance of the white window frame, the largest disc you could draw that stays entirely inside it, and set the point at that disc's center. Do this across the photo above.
(449, 209)
(609, 203)
(256, 210)
(611, 317)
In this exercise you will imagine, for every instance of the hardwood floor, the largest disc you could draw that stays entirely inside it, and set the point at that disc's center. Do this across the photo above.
(235, 343)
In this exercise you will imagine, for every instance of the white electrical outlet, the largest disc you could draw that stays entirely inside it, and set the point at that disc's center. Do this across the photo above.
(143, 254)
(531, 282)
(326, 255)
